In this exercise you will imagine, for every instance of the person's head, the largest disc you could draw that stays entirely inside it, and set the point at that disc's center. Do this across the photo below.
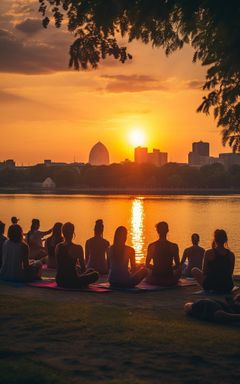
(15, 233)
(35, 224)
(99, 227)
(162, 228)
(120, 236)
(14, 220)
(195, 238)
(2, 228)
(57, 230)
(220, 238)
(68, 231)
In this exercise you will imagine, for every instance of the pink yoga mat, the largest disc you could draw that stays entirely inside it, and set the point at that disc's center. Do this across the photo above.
(53, 285)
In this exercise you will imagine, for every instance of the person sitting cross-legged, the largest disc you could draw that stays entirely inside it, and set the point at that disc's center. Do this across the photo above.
(218, 266)
(120, 255)
(163, 253)
(193, 255)
(71, 270)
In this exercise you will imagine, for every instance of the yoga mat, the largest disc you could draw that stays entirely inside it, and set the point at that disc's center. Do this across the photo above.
(144, 286)
(187, 282)
(140, 288)
(53, 285)
(214, 293)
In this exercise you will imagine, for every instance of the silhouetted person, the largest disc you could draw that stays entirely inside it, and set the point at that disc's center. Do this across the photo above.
(2, 239)
(51, 242)
(218, 266)
(15, 258)
(215, 310)
(14, 220)
(193, 255)
(163, 253)
(68, 255)
(96, 250)
(35, 240)
(120, 255)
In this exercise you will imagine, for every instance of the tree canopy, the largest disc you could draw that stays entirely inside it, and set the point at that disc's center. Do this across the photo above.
(211, 27)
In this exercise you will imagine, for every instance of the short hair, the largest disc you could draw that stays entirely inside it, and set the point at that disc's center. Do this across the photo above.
(98, 228)
(15, 233)
(68, 229)
(14, 219)
(162, 227)
(195, 237)
(2, 228)
(220, 237)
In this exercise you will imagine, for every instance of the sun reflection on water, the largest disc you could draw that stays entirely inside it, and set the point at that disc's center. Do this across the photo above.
(137, 228)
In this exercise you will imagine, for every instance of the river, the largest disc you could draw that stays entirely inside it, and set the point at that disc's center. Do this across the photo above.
(185, 215)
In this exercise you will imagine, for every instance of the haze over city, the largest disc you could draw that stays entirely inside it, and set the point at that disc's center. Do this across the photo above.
(50, 111)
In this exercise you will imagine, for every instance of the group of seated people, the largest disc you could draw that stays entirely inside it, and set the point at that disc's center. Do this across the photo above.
(22, 257)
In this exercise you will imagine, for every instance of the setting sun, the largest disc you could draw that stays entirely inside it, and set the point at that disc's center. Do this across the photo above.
(137, 137)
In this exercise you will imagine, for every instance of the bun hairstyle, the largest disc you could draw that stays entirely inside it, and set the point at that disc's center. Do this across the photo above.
(98, 228)
(220, 238)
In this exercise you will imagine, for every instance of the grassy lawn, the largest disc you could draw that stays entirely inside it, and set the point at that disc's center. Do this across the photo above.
(72, 337)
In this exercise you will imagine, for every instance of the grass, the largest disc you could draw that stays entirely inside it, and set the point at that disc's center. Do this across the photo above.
(71, 337)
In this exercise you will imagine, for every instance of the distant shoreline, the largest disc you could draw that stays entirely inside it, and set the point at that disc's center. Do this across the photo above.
(122, 191)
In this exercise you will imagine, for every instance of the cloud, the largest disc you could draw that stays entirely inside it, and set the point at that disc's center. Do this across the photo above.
(32, 57)
(195, 84)
(133, 83)
(30, 26)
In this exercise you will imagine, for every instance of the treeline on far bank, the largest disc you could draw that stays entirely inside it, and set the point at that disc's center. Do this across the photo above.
(171, 175)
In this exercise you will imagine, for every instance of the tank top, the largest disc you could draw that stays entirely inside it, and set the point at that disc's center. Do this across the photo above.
(12, 262)
(218, 275)
(66, 266)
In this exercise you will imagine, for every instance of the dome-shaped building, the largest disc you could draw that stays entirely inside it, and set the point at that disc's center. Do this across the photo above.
(99, 155)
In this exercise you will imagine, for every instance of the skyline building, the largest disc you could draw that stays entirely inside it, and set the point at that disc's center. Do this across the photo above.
(99, 155)
(156, 157)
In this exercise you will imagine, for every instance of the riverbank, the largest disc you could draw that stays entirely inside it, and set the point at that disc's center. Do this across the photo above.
(123, 191)
(112, 338)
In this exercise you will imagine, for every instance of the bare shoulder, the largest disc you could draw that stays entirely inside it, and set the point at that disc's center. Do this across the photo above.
(130, 250)
(152, 245)
(174, 246)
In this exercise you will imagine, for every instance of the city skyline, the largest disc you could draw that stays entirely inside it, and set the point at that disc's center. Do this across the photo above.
(48, 110)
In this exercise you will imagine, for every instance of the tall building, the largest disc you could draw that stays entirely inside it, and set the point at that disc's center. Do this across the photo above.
(155, 157)
(199, 155)
(141, 155)
(99, 155)
(201, 148)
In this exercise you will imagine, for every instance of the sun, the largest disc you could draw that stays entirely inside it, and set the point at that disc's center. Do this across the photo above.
(137, 137)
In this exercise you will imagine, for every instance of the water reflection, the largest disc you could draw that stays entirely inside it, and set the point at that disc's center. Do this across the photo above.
(137, 228)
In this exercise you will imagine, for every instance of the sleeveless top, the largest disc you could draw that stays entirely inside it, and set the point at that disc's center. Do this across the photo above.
(50, 245)
(12, 262)
(66, 266)
(163, 259)
(218, 274)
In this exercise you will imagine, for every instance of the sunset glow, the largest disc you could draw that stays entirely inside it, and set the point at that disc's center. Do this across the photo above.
(137, 137)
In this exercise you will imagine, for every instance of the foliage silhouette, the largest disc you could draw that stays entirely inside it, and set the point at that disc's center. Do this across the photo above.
(211, 27)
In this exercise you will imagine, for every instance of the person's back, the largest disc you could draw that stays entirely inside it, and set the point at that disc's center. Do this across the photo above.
(163, 252)
(119, 264)
(12, 261)
(51, 243)
(66, 258)
(218, 270)
(69, 274)
(194, 256)
(96, 249)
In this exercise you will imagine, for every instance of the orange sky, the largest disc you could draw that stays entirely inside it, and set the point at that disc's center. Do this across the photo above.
(49, 111)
